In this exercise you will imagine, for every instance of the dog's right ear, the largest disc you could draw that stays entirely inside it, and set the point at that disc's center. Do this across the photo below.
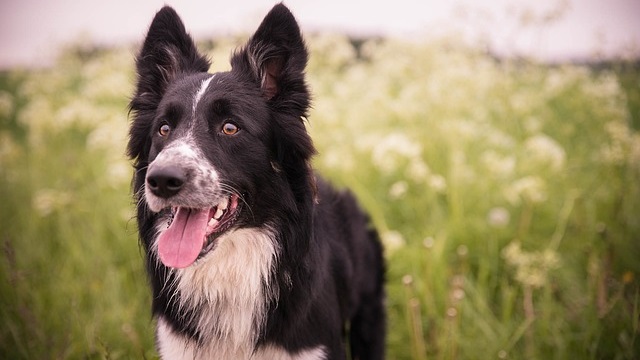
(168, 50)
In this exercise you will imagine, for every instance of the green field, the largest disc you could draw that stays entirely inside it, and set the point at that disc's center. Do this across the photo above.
(507, 194)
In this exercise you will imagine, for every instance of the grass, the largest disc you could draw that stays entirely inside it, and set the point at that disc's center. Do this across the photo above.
(506, 193)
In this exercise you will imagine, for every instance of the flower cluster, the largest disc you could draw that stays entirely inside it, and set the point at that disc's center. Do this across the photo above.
(531, 268)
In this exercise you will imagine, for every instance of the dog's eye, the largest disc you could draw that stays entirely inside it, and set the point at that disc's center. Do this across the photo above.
(230, 128)
(164, 130)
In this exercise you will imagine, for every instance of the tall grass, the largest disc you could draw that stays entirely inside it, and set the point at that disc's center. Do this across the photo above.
(507, 194)
(72, 284)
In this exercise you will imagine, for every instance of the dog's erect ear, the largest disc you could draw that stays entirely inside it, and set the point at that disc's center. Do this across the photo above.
(167, 51)
(275, 57)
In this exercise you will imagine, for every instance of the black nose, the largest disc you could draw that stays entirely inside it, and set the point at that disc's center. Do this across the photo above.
(165, 181)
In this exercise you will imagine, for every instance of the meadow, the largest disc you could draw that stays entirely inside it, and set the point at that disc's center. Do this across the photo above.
(506, 192)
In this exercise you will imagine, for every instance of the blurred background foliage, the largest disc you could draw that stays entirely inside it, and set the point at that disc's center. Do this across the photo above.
(506, 192)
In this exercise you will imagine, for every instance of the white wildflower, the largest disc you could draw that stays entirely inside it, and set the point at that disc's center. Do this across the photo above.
(338, 159)
(531, 268)
(438, 183)
(118, 173)
(457, 295)
(622, 143)
(428, 242)
(543, 150)
(9, 150)
(499, 139)
(36, 116)
(498, 217)
(398, 189)
(462, 251)
(388, 153)
(418, 170)
(521, 102)
(463, 129)
(531, 189)
(107, 135)
(533, 125)
(6, 104)
(115, 85)
(606, 86)
(77, 112)
(452, 312)
(336, 49)
(46, 201)
(562, 78)
(392, 240)
(617, 130)
(498, 165)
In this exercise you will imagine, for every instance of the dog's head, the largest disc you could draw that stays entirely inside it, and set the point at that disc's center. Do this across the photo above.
(215, 152)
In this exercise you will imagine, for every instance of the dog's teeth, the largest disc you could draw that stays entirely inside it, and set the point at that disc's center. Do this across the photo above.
(218, 214)
(223, 204)
(212, 222)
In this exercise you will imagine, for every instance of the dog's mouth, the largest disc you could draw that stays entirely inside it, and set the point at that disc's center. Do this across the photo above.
(192, 233)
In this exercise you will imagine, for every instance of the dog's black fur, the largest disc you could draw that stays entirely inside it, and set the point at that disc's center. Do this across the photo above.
(325, 284)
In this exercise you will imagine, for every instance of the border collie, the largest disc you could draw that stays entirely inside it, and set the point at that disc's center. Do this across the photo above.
(249, 254)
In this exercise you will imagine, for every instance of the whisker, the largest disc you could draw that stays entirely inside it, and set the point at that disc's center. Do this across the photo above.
(233, 190)
(140, 199)
(142, 168)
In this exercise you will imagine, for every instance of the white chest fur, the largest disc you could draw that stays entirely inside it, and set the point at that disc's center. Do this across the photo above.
(229, 290)
(173, 346)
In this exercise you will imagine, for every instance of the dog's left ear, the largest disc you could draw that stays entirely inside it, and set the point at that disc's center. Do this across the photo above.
(275, 57)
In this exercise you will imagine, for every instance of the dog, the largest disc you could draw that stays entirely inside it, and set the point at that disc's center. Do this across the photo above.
(250, 254)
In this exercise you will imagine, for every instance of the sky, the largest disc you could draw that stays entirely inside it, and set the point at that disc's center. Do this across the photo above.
(31, 31)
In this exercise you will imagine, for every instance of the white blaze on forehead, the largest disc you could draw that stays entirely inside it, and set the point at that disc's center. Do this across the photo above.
(198, 95)
(181, 149)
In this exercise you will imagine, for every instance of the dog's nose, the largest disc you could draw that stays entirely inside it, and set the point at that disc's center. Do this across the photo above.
(165, 181)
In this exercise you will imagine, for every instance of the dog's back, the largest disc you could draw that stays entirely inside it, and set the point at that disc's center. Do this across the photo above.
(357, 268)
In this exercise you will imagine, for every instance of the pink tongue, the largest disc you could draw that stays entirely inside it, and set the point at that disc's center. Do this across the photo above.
(180, 245)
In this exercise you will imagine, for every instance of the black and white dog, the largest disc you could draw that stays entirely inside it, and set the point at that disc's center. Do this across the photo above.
(250, 256)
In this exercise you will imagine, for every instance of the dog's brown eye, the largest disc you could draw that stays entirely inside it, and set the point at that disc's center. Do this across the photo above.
(164, 130)
(230, 129)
